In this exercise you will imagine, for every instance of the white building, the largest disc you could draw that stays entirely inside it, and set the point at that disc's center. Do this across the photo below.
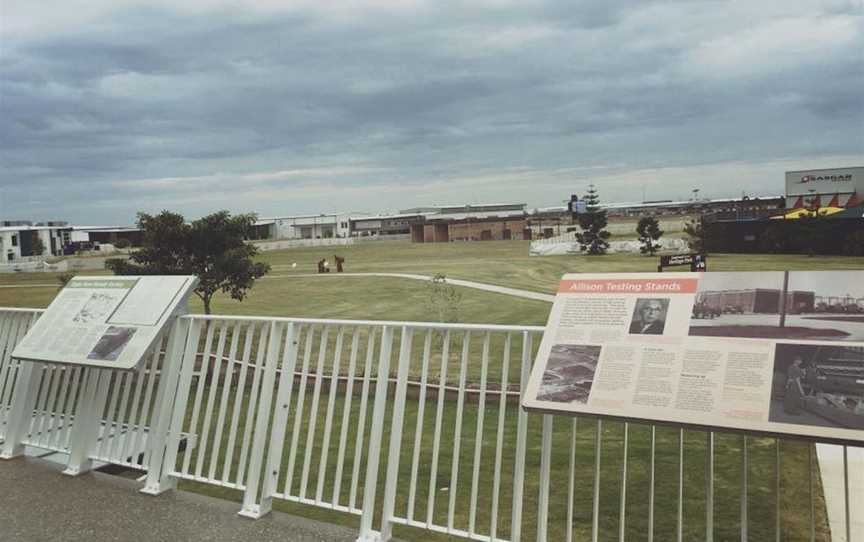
(20, 242)
(323, 226)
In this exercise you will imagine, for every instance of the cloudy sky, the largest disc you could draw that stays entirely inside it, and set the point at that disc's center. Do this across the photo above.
(109, 107)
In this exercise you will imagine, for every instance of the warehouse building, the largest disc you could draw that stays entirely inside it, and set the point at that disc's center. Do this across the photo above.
(475, 222)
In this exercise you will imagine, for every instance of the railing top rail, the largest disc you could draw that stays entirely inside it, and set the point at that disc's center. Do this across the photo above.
(20, 309)
(388, 323)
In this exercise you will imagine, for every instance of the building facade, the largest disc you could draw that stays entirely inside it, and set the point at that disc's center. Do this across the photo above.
(836, 187)
(24, 241)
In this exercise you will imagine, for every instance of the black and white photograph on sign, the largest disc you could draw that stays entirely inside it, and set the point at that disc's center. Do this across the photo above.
(111, 343)
(821, 385)
(97, 308)
(826, 306)
(569, 373)
(649, 316)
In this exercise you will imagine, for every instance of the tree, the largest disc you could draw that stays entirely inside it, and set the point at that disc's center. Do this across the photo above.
(593, 222)
(443, 299)
(213, 248)
(38, 246)
(695, 231)
(649, 233)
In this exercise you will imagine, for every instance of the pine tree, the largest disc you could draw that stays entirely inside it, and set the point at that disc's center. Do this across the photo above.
(649, 233)
(592, 238)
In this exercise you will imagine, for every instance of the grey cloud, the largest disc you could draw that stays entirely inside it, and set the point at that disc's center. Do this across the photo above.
(451, 93)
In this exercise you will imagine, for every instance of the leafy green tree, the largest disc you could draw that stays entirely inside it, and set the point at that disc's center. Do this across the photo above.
(593, 237)
(649, 233)
(213, 248)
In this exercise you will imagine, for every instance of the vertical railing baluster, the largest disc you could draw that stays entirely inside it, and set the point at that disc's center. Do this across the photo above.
(301, 401)
(361, 423)
(545, 464)
(237, 406)
(595, 515)
(313, 412)
(439, 418)
(396, 434)
(478, 438)
(346, 416)
(499, 439)
(521, 443)
(622, 514)
(211, 401)
(744, 469)
(709, 487)
(328, 420)
(418, 430)
(376, 436)
(457, 436)
(227, 382)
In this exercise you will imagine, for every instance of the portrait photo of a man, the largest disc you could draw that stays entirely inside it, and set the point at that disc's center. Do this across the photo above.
(649, 317)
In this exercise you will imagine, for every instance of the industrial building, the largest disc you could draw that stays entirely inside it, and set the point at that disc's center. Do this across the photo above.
(381, 225)
(474, 222)
(321, 226)
(758, 300)
(835, 187)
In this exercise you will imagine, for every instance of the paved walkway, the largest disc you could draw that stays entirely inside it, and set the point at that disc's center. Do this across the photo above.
(831, 468)
(526, 294)
(38, 503)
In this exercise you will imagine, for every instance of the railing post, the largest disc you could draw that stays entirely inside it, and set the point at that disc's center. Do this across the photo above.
(252, 508)
(158, 480)
(521, 444)
(396, 435)
(88, 418)
(280, 419)
(21, 410)
(373, 461)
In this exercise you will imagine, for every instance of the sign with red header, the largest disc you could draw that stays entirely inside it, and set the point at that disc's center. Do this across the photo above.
(775, 353)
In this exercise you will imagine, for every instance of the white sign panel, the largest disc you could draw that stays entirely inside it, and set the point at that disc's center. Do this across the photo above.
(825, 181)
(105, 321)
(773, 352)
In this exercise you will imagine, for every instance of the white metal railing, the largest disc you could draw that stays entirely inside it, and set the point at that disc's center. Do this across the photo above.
(14, 324)
(416, 426)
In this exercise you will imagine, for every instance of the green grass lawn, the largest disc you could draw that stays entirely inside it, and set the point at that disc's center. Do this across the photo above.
(508, 264)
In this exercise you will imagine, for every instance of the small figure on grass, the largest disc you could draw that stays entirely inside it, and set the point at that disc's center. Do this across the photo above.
(339, 263)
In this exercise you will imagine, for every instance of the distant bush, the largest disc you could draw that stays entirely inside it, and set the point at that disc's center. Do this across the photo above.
(122, 243)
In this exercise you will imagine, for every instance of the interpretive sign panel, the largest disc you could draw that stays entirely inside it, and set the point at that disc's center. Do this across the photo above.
(779, 353)
(696, 261)
(105, 321)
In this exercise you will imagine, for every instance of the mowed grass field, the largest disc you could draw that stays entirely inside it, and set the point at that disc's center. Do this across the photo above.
(286, 292)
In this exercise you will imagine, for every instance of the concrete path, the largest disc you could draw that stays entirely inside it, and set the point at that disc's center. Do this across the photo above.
(38, 503)
(525, 294)
(831, 469)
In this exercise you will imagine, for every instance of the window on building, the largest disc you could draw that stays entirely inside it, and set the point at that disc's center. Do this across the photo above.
(14, 240)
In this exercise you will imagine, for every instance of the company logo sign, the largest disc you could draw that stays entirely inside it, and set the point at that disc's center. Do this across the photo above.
(828, 178)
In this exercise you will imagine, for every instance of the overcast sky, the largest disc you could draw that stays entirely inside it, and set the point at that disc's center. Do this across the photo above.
(108, 107)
